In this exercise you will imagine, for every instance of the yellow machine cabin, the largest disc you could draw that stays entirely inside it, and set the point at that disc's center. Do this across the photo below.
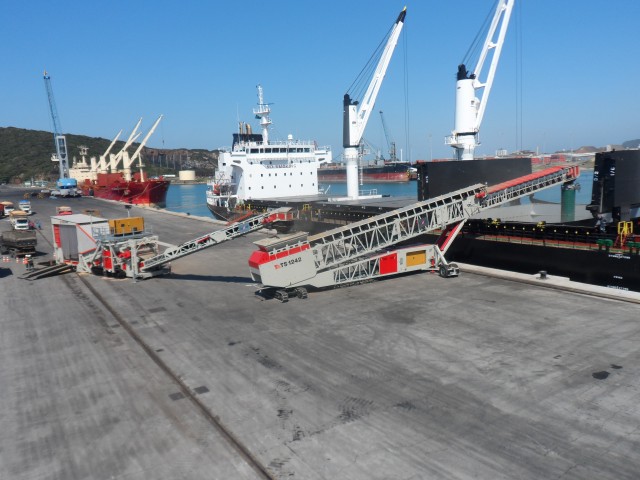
(126, 226)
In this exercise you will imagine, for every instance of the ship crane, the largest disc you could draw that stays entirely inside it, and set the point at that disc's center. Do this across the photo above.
(391, 145)
(356, 113)
(102, 166)
(366, 250)
(66, 186)
(114, 159)
(469, 109)
(127, 162)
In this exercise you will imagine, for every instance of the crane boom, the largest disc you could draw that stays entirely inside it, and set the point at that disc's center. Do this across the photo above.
(102, 165)
(128, 162)
(114, 160)
(469, 109)
(356, 114)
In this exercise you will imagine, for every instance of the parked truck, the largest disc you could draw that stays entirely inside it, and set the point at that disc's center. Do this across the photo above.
(19, 220)
(7, 207)
(25, 206)
(63, 210)
(18, 242)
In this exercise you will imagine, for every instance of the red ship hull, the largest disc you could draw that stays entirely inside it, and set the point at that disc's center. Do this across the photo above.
(113, 186)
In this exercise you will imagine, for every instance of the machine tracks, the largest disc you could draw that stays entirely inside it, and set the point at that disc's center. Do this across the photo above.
(241, 449)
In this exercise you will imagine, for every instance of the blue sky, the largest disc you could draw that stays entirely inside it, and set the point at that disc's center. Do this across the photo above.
(198, 62)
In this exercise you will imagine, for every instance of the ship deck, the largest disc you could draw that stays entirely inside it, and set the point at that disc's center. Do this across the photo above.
(193, 375)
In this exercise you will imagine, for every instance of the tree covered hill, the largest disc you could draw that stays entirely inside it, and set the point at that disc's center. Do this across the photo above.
(26, 154)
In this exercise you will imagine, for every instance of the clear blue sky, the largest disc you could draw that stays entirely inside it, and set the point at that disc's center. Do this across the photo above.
(198, 62)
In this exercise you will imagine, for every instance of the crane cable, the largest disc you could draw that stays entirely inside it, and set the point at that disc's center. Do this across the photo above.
(406, 96)
(476, 45)
(519, 79)
(362, 80)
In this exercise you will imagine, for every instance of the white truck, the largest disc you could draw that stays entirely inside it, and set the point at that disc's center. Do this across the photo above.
(7, 207)
(25, 206)
(19, 220)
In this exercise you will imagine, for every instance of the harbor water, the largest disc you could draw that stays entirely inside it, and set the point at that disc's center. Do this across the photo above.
(191, 198)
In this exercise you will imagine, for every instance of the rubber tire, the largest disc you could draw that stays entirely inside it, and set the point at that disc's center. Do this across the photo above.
(442, 270)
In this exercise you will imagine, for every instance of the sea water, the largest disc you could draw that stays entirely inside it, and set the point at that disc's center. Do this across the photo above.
(191, 199)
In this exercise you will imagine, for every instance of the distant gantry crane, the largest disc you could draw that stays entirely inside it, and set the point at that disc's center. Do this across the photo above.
(66, 186)
(391, 145)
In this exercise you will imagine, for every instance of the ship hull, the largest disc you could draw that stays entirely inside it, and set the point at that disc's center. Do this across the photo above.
(224, 214)
(619, 270)
(229, 216)
(374, 174)
(113, 187)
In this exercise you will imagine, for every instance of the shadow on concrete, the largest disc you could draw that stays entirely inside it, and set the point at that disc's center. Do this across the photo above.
(5, 272)
(208, 278)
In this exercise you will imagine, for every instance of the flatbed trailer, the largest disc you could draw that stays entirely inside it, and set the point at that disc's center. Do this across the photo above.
(18, 242)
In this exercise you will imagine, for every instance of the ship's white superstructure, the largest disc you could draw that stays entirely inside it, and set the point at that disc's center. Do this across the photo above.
(256, 167)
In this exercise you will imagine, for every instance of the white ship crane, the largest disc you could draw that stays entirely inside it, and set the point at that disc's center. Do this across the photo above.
(356, 113)
(128, 161)
(365, 250)
(66, 186)
(469, 108)
(114, 159)
(102, 166)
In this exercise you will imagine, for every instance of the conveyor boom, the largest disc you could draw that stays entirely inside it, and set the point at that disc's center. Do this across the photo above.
(214, 238)
(341, 252)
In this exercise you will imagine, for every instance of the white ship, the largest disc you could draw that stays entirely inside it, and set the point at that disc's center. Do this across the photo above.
(256, 168)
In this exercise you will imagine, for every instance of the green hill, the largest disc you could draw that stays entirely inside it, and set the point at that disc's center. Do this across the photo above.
(26, 154)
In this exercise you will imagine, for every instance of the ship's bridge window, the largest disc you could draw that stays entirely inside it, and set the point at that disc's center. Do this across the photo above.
(267, 150)
(283, 150)
(254, 150)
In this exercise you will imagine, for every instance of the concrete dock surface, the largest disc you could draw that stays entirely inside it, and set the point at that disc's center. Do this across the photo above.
(193, 375)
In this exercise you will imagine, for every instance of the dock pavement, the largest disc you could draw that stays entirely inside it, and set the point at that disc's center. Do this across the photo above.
(193, 375)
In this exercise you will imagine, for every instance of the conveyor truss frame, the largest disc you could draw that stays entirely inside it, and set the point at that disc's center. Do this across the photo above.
(124, 249)
(352, 253)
